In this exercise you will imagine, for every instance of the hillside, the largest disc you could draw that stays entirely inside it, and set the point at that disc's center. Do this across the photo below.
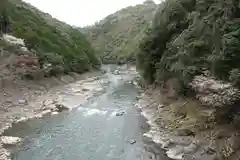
(115, 38)
(54, 42)
(191, 37)
(191, 53)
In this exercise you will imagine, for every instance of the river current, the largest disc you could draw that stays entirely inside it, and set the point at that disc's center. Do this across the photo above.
(91, 131)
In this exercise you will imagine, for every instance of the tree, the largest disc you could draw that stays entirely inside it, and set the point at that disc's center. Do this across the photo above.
(4, 22)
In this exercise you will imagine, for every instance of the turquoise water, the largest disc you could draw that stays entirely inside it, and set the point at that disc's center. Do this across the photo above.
(92, 131)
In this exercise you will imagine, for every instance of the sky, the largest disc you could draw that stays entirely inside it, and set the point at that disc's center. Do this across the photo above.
(81, 12)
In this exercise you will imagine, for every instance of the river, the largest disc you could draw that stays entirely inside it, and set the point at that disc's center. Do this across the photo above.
(91, 131)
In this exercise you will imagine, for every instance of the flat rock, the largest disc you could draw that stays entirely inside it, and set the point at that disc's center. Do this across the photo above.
(22, 102)
(132, 141)
(8, 140)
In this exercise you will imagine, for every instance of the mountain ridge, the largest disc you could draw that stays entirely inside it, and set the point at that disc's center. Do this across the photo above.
(115, 37)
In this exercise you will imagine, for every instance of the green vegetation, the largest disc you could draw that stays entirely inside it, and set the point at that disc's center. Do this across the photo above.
(54, 41)
(189, 37)
(116, 37)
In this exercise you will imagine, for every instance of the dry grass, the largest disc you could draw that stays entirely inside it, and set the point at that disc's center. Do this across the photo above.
(185, 113)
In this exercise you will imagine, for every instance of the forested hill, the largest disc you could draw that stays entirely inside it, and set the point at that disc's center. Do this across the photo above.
(115, 38)
(53, 41)
(191, 37)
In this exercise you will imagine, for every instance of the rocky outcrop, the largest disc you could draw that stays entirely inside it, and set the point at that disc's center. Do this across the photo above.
(214, 93)
(178, 145)
(8, 140)
(13, 40)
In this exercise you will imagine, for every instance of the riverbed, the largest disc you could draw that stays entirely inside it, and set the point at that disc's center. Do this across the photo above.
(107, 127)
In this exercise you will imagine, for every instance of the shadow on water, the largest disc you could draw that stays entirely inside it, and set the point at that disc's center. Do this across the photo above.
(91, 131)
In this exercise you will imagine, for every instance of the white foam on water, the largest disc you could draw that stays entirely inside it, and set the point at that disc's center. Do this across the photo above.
(113, 114)
(94, 104)
(81, 109)
(91, 112)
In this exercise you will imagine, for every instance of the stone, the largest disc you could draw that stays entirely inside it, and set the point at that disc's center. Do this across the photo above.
(85, 89)
(190, 149)
(160, 106)
(47, 102)
(120, 113)
(22, 119)
(22, 102)
(8, 140)
(210, 151)
(116, 72)
(184, 132)
(166, 144)
(61, 107)
(132, 141)
(55, 113)
(46, 112)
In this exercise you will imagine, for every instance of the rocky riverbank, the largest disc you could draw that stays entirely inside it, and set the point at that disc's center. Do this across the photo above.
(24, 100)
(187, 129)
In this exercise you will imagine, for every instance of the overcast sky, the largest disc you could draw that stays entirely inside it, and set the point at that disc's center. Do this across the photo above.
(81, 12)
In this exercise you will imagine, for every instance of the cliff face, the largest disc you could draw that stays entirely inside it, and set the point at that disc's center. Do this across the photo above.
(54, 42)
(115, 38)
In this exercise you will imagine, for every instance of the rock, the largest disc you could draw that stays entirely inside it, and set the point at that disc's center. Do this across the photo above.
(22, 102)
(166, 144)
(13, 40)
(160, 106)
(22, 119)
(85, 89)
(46, 112)
(190, 149)
(135, 83)
(55, 113)
(212, 92)
(99, 89)
(210, 151)
(47, 102)
(116, 72)
(132, 141)
(61, 107)
(8, 140)
(120, 113)
(184, 132)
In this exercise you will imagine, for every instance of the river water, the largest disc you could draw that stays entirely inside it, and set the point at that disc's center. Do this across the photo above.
(92, 131)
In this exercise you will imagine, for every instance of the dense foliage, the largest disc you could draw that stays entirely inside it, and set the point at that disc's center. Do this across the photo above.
(115, 38)
(189, 37)
(54, 41)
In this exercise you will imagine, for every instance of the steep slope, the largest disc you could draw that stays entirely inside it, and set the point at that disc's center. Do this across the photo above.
(115, 38)
(193, 49)
(189, 37)
(55, 42)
